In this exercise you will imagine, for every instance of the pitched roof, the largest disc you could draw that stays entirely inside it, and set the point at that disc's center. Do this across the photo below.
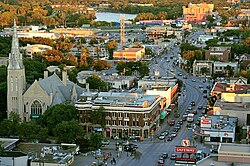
(235, 88)
(60, 92)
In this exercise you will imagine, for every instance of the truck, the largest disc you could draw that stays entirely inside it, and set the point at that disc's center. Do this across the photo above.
(190, 118)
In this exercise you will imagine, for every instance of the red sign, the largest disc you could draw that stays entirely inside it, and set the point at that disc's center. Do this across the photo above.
(205, 121)
(183, 149)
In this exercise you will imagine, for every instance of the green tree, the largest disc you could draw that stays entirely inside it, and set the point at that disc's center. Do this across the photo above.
(96, 83)
(56, 114)
(68, 131)
(3, 92)
(97, 117)
(95, 141)
(93, 41)
(204, 70)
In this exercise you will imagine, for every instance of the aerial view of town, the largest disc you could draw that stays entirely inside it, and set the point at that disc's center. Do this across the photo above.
(125, 82)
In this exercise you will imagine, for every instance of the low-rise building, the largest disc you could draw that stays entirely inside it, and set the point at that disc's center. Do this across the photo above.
(73, 31)
(129, 54)
(218, 128)
(204, 38)
(218, 53)
(221, 67)
(13, 158)
(234, 153)
(35, 48)
(203, 68)
(124, 114)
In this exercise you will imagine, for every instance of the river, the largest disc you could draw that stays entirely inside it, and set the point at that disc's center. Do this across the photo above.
(113, 17)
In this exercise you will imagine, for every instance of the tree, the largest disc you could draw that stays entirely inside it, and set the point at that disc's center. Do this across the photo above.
(3, 92)
(56, 114)
(111, 46)
(68, 131)
(97, 117)
(247, 42)
(204, 70)
(9, 127)
(93, 41)
(96, 83)
(101, 64)
(95, 140)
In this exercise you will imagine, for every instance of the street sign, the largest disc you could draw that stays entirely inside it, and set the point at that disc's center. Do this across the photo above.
(185, 149)
(185, 142)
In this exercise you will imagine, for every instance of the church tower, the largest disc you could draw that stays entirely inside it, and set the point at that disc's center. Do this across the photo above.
(16, 83)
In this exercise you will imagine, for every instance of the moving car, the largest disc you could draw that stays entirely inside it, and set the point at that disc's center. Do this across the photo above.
(173, 156)
(162, 136)
(172, 123)
(177, 115)
(179, 74)
(161, 161)
(193, 80)
(174, 134)
(164, 155)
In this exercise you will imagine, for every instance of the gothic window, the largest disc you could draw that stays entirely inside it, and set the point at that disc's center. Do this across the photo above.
(36, 108)
(16, 83)
(11, 84)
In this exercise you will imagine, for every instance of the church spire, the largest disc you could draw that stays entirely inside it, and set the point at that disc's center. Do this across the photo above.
(15, 57)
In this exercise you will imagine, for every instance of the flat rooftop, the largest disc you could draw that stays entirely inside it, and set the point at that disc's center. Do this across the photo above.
(236, 106)
(212, 159)
(234, 148)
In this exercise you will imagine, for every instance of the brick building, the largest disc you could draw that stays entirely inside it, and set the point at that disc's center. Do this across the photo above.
(129, 54)
(218, 53)
(196, 13)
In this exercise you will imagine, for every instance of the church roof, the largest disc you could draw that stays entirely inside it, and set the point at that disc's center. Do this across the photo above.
(60, 92)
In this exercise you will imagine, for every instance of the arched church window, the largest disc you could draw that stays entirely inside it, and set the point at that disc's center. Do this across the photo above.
(16, 83)
(36, 108)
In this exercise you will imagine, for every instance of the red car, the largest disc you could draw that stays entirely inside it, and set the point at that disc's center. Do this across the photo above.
(172, 123)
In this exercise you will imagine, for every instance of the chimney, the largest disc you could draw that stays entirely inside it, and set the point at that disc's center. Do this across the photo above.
(45, 73)
(87, 87)
(64, 77)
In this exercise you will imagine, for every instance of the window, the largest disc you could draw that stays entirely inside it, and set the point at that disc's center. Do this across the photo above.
(145, 115)
(108, 122)
(16, 83)
(134, 123)
(11, 84)
(120, 122)
(114, 122)
(36, 108)
(146, 123)
(120, 115)
(126, 115)
(125, 123)
(107, 114)
(113, 114)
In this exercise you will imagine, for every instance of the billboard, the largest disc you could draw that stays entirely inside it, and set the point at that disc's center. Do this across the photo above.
(185, 149)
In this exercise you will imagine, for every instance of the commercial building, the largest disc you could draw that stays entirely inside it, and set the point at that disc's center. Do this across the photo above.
(35, 48)
(129, 54)
(218, 128)
(221, 67)
(196, 13)
(73, 31)
(235, 153)
(218, 53)
(124, 114)
(13, 159)
(203, 68)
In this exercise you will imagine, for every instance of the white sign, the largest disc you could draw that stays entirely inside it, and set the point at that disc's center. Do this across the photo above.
(185, 142)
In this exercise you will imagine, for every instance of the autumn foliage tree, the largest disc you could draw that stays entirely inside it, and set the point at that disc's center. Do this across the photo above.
(111, 46)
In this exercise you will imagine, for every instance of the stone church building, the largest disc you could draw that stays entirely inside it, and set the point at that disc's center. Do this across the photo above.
(33, 101)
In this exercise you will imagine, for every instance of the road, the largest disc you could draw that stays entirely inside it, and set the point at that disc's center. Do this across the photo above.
(149, 151)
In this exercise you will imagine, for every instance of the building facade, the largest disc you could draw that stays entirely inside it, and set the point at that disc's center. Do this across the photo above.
(124, 114)
(202, 68)
(129, 54)
(196, 13)
(218, 53)
(221, 67)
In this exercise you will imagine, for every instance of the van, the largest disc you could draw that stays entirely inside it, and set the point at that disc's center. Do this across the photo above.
(190, 118)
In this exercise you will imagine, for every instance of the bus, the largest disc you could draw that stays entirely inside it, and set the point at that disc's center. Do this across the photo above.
(190, 118)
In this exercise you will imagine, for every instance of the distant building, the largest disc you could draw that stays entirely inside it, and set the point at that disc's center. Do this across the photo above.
(220, 67)
(196, 13)
(218, 128)
(203, 68)
(125, 114)
(218, 53)
(244, 14)
(204, 38)
(129, 54)
(73, 31)
(13, 159)
(34, 49)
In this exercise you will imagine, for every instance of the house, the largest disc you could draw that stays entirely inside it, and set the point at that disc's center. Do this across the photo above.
(129, 54)
(218, 53)
(196, 13)
(35, 48)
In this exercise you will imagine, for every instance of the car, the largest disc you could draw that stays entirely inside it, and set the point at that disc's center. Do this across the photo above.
(185, 115)
(166, 132)
(200, 86)
(176, 129)
(172, 123)
(105, 142)
(193, 103)
(164, 155)
(178, 126)
(162, 136)
(194, 112)
(169, 138)
(193, 80)
(184, 119)
(214, 150)
(161, 161)
(180, 121)
(168, 61)
(187, 111)
(177, 115)
(189, 108)
(204, 96)
(174, 134)
(184, 77)
(130, 147)
(200, 107)
(179, 74)
(173, 156)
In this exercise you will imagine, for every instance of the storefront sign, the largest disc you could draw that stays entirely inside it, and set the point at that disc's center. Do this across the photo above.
(183, 149)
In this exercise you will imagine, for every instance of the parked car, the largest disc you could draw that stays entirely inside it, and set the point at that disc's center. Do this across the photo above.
(174, 134)
(180, 121)
(105, 142)
(204, 96)
(166, 132)
(194, 112)
(193, 103)
(200, 107)
(169, 138)
(162, 136)
(177, 115)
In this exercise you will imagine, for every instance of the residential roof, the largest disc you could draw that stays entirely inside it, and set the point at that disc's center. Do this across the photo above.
(234, 88)
(236, 106)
